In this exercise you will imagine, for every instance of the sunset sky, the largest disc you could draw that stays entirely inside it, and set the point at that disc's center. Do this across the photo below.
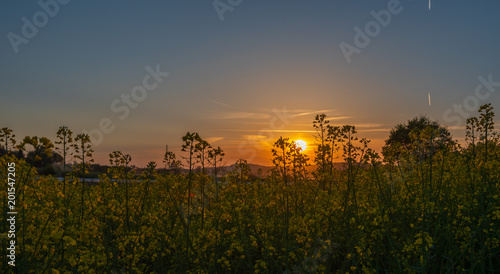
(241, 76)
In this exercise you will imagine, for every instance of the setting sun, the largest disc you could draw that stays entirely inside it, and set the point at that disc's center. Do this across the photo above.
(302, 144)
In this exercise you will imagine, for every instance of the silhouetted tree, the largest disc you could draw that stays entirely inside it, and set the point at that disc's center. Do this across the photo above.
(6, 137)
(42, 153)
(400, 134)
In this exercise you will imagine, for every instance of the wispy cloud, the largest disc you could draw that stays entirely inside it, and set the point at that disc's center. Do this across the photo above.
(302, 112)
(220, 103)
(372, 127)
(272, 130)
(369, 125)
(212, 140)
(338, 118)
(245, 115)
(254, 137)
(375, 130)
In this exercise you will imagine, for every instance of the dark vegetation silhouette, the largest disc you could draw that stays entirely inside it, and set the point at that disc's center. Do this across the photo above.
(426, 205)
(402, 135)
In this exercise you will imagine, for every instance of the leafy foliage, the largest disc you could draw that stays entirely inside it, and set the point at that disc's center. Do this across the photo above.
(6, 137)
(401, 135)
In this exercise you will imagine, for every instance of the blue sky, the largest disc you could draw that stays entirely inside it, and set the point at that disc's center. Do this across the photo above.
(226, 77)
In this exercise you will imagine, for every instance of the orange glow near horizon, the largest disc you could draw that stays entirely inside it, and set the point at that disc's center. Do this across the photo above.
(255, 153)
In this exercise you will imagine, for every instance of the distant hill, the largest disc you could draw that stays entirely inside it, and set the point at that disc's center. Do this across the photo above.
(254, 169)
